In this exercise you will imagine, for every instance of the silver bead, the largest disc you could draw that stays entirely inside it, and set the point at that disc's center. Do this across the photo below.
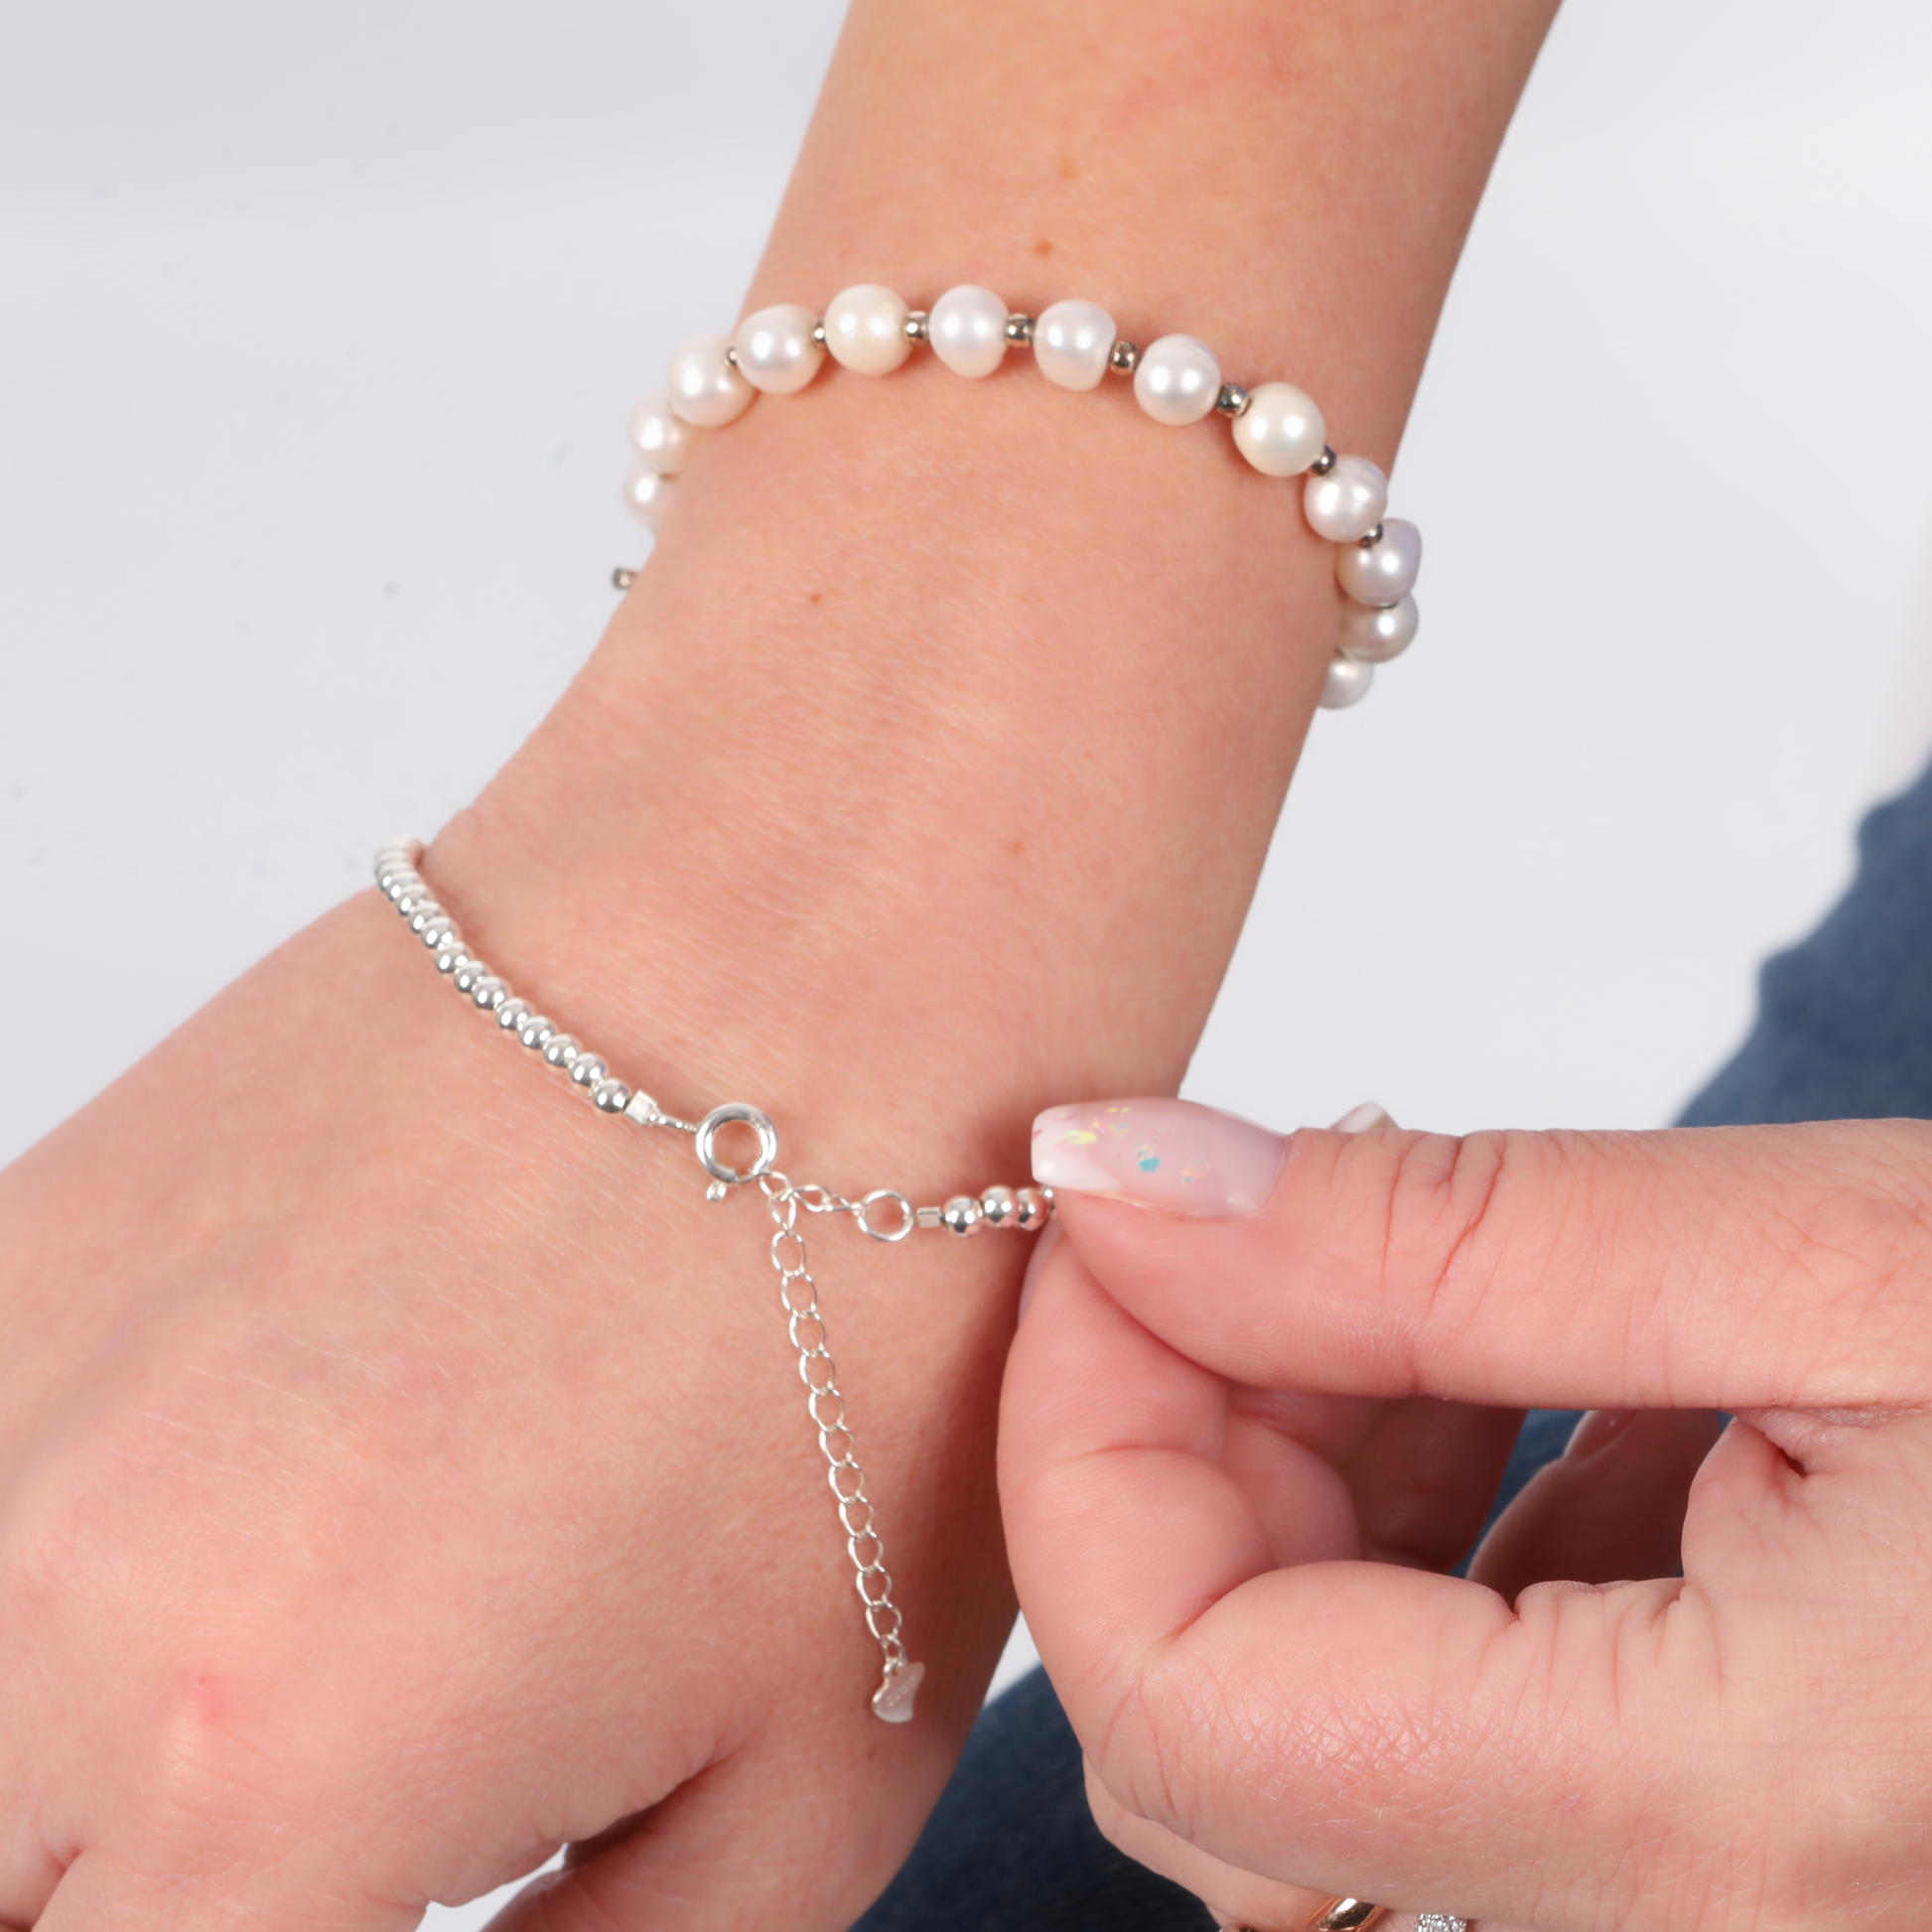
(1000, 1207)
(403, 893)
(1036, 1208)
(1370, 538)
(587, 1069)
(424, 911)
(560, 1049)
(918, 326)
(731, 353)
(400, 883)
(490, 991)
(438, 930)
(1233, 400)
(535, 1031)
(961, 1215)
(1125, 358)
(448, 958)
(818, 332)
(468, 973)
(1020, 329)
(611, 1097)
(1324, 462)
(513, 1012)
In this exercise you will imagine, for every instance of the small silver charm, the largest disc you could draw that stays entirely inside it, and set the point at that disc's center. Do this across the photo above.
(891, 1703)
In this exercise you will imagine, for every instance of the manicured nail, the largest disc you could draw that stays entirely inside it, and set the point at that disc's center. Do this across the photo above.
(1171, 1154)
(1043, 1245)
(1364, 1119)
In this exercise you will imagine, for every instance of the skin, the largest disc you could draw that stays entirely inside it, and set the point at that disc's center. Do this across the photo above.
(1744, 1747)
(401, 1467)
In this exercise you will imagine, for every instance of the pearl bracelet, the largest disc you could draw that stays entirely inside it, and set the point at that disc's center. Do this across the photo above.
(1177, 380)
(885, 1214)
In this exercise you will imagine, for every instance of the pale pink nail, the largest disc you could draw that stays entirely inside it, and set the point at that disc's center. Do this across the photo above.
(1171, 1154)
(1042, 1247)
(1364, 1119)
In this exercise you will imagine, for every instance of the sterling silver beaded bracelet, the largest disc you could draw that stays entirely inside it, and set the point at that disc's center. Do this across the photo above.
(885, 1214)
(1177, 380)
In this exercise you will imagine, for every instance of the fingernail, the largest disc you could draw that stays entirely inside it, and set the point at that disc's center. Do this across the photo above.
(1171, 1154)
(1042, 1247)
(1364, 1119)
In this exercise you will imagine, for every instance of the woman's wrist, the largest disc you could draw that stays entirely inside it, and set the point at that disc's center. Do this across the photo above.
(927, 771)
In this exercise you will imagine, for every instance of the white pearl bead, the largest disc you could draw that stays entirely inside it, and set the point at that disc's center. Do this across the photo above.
(1347, 683)
(865, 328)
(703, 388)
(775, 350)
(1177, 380)
(1280, 432)
(968, 330)
(1384, 573)
(647, 495)
(661, 439)
(1071, 344)
(1348, 502)
(1372, 636)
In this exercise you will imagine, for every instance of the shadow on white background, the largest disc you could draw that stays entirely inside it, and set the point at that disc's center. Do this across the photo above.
(316, 345)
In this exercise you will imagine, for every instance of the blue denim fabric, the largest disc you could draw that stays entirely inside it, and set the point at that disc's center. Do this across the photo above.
(1844, 1031)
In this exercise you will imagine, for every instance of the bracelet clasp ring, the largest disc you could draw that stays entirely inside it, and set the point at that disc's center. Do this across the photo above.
(735, 1113)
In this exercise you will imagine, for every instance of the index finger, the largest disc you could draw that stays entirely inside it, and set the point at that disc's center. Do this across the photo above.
(1731, 1268)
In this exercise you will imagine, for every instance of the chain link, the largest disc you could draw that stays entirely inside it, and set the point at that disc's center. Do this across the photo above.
(858, 1516)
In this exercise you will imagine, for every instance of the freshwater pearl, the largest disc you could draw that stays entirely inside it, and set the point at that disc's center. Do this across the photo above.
(1071, 344)
(968, 330)
(865, 328)
(703, 388)
(1347, 683)
(775, 350)
(1348, 502)
(1372, 636)
(1282, 431)
(661, 439)
(1384, 572)
(647, 495)
(1176, 379)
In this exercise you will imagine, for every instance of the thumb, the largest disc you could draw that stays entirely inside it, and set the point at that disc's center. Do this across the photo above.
(1722, 1268)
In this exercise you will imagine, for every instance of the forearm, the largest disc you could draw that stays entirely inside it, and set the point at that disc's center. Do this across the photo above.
(928, 771)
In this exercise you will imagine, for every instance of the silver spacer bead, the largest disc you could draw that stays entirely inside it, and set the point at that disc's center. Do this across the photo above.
(587, 1069)
(1370, 538)
(1125, 359)
(1020, 329)
(400, 884)
(512, 1014)
(448, 958)
(490, 991)
(1000, 1207)
(622, 578)
(918, 326)
(468, 973)
(425, 910)
(611, 1097)
(535, 1031)
(731, 354)
(641, 1108)
(818, 333)
(1036, 1208)
(438, 931)
(961, 1215)
(560, 1049)
(1324, 462)
(1233, 400)
(928, 1217)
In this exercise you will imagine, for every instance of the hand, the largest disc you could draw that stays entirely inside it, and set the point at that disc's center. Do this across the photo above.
(1746, 1745)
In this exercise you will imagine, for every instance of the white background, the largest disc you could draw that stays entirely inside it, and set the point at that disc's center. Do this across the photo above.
(318, 329)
